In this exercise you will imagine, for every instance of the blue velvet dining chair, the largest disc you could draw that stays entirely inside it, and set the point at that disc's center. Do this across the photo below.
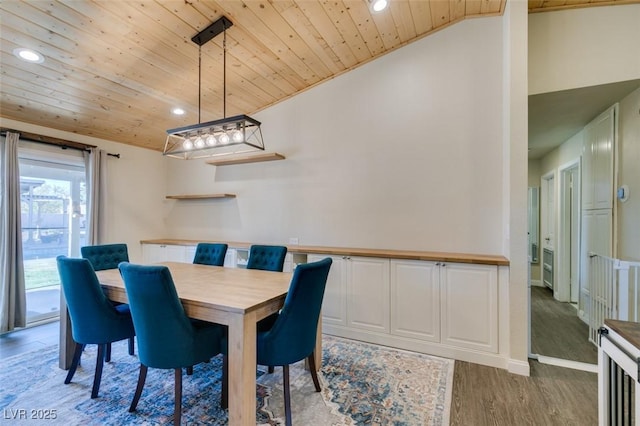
(167, 338)
(107, 256)
(210, 254)
(94, 319)
(267, 258)
(292, 337)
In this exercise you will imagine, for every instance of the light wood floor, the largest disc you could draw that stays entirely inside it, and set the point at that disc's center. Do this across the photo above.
(481, 395)
(556, 330)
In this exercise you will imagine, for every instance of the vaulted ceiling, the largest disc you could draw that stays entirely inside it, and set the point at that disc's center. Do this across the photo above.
(115, 69)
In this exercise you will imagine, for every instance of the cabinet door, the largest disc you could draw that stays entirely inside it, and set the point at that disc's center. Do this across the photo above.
(231, 258)
(152, 253)
(189, 253)
(155, 253)
(598, 153)
(334, 305)
(470, 306)
(175, 253)
(368, 293)
(415, 300)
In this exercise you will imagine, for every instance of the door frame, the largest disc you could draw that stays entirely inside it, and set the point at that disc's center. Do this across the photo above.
(544, 222)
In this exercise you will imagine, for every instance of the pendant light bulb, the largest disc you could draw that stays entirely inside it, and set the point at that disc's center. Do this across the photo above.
(224, 138)
(237, 136)
(199, 142)
(211, 140)
(187, 144)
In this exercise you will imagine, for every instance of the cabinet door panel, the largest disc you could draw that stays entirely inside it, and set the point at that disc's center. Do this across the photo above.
(597, 158)
(152, 253)
(175, 254)
(155, 253)
(415, 300)
(368, 293)
(189, 253)
(470, 306)
(334, 305)
(230, 259)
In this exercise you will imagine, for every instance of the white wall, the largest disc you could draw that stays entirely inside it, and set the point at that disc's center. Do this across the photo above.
(628, 221)
(570, 150)
(405, 152)
(136, 187)
(583, 47)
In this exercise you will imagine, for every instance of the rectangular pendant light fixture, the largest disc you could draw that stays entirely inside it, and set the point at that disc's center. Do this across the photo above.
(229, 135)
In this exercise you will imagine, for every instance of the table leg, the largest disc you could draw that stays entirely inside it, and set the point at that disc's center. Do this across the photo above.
(67, 345)
(242, 369)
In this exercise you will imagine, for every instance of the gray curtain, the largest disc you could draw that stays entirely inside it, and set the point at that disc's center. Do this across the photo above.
(13, 303)
(96, 167)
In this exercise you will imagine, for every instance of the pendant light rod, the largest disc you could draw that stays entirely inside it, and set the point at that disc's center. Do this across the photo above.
(224, 72)
(199, 82)
(204, 36)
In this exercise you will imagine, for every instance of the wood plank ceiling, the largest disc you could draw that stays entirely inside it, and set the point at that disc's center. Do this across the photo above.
(115, 69)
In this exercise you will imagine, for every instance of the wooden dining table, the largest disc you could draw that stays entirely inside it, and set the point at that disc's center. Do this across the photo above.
(235, 297)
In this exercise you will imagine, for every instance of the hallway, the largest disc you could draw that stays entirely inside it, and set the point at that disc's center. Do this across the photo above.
(556, 330)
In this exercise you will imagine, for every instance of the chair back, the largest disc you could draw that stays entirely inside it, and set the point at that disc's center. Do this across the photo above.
(210, 254)
(293, 336)
(105, 256)
(93, 317)
(164, 332)
(267, 258)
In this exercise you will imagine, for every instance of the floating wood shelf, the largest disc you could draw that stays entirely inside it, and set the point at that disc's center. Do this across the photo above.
(199, 196)
(255, 158)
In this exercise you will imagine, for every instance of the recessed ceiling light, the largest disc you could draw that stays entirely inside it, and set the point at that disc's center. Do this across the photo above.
(28, 55)
(178, 111)
(378, 5)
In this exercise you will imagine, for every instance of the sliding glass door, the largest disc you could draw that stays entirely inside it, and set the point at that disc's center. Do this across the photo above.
(53, 204)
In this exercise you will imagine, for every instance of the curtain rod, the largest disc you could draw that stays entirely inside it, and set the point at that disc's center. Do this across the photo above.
(62, 143)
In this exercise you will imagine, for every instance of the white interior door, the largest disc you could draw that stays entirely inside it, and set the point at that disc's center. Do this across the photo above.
(567, 253)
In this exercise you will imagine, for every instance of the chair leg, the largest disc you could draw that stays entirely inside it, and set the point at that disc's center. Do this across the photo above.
(74, 364)
(98, 374)
(80, 360)
(224, 394)
(287, 395)
(142, 376)
(314, 373)
(271, 369)
(177, 412)
(132, 345)
(107, 357)
(190, 370)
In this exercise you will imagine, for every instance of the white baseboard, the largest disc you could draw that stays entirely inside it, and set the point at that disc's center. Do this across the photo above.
(537, 283)
(565, 363)
(583, 316)
(518, 367)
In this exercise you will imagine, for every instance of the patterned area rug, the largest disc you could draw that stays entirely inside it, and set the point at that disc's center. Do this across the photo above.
(375, 385)
(362, 384)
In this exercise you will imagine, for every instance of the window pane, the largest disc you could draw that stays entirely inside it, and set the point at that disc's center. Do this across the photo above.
(53, 205)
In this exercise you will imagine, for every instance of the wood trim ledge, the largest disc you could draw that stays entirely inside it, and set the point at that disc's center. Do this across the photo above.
(481, 259)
